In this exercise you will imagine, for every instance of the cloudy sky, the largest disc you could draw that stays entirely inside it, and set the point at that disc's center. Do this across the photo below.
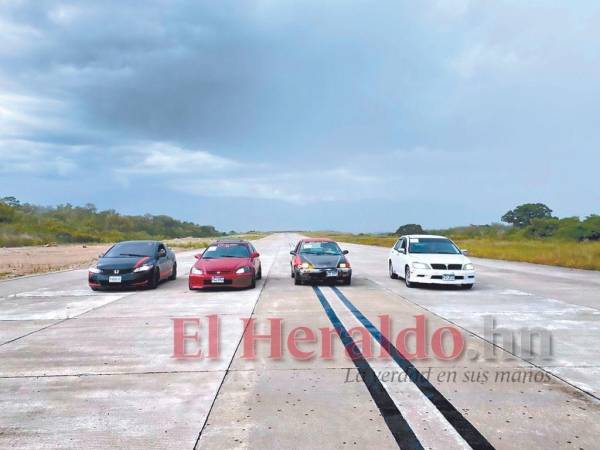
(275, 114)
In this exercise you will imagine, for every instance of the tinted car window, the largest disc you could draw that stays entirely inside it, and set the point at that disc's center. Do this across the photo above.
(127, 249)
(321, 248)
(226, 251)
(432, 245)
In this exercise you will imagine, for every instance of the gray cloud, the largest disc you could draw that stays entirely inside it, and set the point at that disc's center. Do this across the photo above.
(396, 101)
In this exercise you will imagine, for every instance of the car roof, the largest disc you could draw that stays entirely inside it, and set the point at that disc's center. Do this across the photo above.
(431, 236)
(231, 241)
(147, 241)
(317, 240)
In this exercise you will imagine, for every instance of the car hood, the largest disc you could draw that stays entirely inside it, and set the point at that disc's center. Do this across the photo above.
(439, 259)
(321, 261)
(122, 263)
(223, 264)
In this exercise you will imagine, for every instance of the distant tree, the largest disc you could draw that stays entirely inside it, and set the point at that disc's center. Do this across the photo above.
(522, 215)
(409, 228)
(10, 201)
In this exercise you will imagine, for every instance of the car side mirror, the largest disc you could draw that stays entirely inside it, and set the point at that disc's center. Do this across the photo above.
(345, 252)
(293, 253)
(254, 255)
(162, 253)
(101, 255)
(403, 251)
(464, 251)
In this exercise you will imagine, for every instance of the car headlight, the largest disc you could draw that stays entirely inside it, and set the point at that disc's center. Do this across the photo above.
(143, 268)
(344, 265)
(242, 270)
(196, 271)
(468, 266)
(420, 265)
(94, 270)
(306, 265)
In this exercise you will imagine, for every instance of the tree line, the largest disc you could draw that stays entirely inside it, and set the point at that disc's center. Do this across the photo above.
(529, 220)
(27, 224)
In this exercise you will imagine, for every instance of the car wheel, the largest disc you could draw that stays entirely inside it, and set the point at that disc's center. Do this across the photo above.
(155, 279)
(292, 271)
(393, 275)
(253, 283)
(297, 279)
(174, 273)
(348, 281)
(467, 286)
(94, 289)
(407, 281)
(259, 276)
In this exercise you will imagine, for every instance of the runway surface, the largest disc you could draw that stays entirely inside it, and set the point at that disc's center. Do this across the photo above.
(96, 369)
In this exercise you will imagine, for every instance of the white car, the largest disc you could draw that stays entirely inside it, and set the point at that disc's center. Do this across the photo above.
(421, 258)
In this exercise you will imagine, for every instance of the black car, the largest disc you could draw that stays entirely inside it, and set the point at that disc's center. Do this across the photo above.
(318, 260)
(133, 264)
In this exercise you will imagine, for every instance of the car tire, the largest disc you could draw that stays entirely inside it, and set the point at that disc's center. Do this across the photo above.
(292, 271)
(174, 273)
(94, 289)
(348, 281)
(253, 283)
(155, 279)
(409, 284)
(393, 275)
(259, 276)
(297, 280)
(467, 286)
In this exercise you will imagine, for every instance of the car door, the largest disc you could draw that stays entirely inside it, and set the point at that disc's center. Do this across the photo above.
(395, 257)
(296, 253)
(401, 256)
(163, 261)
(255, 261)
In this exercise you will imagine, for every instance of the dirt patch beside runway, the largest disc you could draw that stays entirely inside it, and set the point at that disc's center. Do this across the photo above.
(17, 261)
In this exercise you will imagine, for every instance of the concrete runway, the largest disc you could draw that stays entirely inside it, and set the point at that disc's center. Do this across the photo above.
(86, 369)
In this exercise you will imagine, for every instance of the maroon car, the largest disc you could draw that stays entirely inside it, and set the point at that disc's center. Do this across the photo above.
(231, 263)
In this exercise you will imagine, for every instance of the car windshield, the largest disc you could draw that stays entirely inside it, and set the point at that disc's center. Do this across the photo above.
(433, 245)
(320, 248)
(127, 249)
(226, 250)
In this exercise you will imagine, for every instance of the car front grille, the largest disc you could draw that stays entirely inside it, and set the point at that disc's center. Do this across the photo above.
(225, 283)
(219, 272)
(446, 266)
(118, 271)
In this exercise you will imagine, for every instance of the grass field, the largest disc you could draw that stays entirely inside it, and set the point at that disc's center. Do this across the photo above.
(194, 243)
(577, 255)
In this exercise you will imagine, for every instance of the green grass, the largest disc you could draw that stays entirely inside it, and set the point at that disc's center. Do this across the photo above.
(187, 245)
(576, 255)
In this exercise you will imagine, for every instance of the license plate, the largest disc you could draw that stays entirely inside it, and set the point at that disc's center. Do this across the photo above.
(448, 277)
(114, 279)
(218, 279)
(331, 273)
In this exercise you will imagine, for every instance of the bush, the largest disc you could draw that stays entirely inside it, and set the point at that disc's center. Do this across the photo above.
(542, 228)
(409, 228)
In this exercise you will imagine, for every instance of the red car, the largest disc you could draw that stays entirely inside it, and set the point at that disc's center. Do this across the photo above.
(231, 263)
